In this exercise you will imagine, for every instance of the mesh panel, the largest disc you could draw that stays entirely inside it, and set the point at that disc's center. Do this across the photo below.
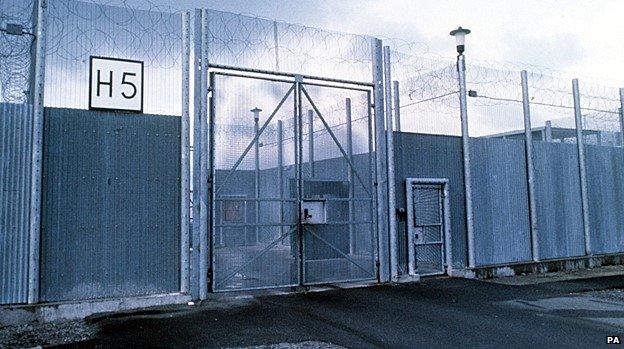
(427, 206)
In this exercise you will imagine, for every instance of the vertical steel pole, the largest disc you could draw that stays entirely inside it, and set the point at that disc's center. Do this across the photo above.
(280, 171)
(548, 131)
(528, 147)
(203, 200)
(397, 107)
(394, 259)
(298, 131)
(276, 45)
(463, 107)
(197, 40)
(311, 142)
(184, 148)
(581, 162)
(34, 248)
(350, 175)
(380, 163)
(622, 117)
(256, 112)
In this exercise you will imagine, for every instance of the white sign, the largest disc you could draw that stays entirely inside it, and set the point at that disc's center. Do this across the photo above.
(116, 84)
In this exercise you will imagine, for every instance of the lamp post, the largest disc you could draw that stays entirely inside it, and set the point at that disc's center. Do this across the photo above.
(460, 41)
(256, 115)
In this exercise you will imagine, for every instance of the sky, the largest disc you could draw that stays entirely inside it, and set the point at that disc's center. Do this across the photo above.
(572, 36)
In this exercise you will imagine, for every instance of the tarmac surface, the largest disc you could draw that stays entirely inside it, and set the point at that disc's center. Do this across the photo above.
(433, 313)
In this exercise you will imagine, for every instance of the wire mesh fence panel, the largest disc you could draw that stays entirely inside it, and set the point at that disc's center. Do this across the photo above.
(255, 218)
(17, 38)
(337, 175)
(78, 30)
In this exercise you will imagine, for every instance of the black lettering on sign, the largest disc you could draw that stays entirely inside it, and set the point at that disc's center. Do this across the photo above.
(109, 83)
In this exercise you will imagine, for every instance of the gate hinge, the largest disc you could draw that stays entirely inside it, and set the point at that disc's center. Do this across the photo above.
(209, 274)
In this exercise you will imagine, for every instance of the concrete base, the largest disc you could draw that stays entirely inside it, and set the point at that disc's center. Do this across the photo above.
(497, 271)
(46, 312)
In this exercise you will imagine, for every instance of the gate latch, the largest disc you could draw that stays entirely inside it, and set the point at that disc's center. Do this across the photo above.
(401, 214)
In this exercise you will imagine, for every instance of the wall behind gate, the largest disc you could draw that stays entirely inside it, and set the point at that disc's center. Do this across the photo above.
(15, 150)
(111, 213)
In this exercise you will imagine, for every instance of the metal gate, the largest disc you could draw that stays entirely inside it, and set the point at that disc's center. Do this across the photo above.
(292, 173)
(427, 229)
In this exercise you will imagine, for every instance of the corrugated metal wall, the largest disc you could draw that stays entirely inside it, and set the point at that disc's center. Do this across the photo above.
(605, 187)
(111, 194)
(500, 201)
(15, 150)
(432, 156)
(558, 200)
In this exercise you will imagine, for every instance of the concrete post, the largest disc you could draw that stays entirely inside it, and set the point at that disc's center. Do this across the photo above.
(394, 259)
(581, 162)
(311, 142)
(276, 45)
(463, 107)
(203, 199)
(380, 163)
(256, 115)
(528, 135)
(185, 155)
(350, 174)
(397, 107)
(34, 248)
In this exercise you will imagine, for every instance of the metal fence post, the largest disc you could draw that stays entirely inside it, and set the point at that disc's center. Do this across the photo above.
(463, 107)
(394, 260)
(34, 248)
(311, 142)
(548, 131)
(581, 162)
(197, 39)
(622, 117)
(528, 141)
(350, 174)
(184, 148)
(256, 115)
(203, 200)
(380, 162)
(397, 107)
(280, 170)
(276, 45)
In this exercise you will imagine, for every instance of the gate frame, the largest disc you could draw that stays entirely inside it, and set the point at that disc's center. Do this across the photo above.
(446, 220)
(298, 81)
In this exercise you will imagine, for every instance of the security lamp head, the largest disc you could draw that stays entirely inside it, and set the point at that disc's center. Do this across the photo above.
(256, 113)
(460, 38)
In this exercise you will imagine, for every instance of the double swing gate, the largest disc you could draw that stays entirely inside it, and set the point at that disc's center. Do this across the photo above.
(293, 200)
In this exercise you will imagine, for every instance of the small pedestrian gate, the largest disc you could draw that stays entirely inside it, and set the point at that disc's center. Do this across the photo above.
(427, 229)
(292, 172)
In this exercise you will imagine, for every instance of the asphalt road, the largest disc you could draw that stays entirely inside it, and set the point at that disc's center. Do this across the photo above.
(434, 313)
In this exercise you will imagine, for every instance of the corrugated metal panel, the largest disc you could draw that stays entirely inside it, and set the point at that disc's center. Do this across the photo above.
(558, 200)
(605, 187)
(15, 150)
(432, 156)
(500, 201)
(111, 195)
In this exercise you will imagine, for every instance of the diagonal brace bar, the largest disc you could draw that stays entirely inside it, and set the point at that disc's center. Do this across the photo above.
(337, 250)
(254, 140)
(333, 136)
(260, 254)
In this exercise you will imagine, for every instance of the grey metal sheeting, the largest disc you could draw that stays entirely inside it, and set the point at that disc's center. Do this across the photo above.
(500, 201)
(111, 205)
(558, 200)
(15, 150)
